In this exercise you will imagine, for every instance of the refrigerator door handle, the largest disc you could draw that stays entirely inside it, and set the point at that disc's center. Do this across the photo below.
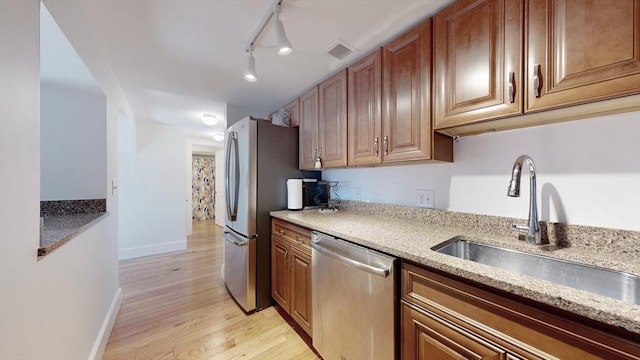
(234, 240)
(232, 214)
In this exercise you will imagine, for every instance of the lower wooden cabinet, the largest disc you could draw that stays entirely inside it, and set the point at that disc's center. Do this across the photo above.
(291, 271)
(426, 336)
(300, 287)
(443, 317)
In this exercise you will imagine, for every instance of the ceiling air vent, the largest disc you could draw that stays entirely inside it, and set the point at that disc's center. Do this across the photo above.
(340, 51)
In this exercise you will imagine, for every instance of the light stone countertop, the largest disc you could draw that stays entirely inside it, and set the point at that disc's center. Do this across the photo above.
(411, 238)
(59, 229)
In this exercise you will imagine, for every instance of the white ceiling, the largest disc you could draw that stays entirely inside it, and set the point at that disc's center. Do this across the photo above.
(177, 59)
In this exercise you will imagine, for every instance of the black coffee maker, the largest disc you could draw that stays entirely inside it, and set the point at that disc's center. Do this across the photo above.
(315, 194)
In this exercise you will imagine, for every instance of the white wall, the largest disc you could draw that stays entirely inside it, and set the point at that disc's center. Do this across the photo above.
(74, 142)
(588, 174)
(152, 192)
(56, 308)
(235, 113)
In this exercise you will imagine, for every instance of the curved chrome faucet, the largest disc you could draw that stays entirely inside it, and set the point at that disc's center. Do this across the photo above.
(532, 229)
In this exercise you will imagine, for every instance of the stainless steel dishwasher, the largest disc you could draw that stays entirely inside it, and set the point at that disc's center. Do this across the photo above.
(354, 300)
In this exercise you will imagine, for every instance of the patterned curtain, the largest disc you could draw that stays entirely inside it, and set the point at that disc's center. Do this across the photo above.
(203, 186)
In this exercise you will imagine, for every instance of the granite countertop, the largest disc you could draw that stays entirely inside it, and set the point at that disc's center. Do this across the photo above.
(403, 234)
(59, 229)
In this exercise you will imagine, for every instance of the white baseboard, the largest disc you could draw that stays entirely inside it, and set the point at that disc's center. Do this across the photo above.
(146, 250)
(107, 325)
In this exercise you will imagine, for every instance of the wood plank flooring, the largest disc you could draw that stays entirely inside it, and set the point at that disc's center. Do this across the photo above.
(175, 306)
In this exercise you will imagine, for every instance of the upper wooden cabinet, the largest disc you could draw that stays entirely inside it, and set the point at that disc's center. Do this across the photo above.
(406, 110)
(308, 132)
(365, 121)
(294, 113)
(478, 61)
(332, 120)
(323, 123)
(581, 51)
(574, 52)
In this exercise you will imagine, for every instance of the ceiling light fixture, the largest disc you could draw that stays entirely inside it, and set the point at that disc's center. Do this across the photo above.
(209, 119)
(218, 136)
(283, 45)
(250, 68)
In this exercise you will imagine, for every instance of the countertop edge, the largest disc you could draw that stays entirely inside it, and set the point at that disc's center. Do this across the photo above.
(70, 234)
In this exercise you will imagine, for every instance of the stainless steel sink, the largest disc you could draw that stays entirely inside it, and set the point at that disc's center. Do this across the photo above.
(614, 284)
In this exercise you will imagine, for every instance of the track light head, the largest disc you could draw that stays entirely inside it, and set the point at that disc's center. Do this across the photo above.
(250, 68)
(282, 43)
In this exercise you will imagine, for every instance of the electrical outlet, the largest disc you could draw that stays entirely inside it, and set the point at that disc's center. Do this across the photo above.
(426, 198)
(356, 193)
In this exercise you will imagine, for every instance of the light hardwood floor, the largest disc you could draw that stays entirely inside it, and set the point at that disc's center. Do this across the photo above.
(175, 306)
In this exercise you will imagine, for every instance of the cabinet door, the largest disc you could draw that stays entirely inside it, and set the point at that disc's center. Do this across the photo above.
(406, 111)
(294, 113)
(426, 336)
(365, 122)
(280, 272)
(308, 128)
(300, 282)
(581, 51)
(478, 57)
(332, 120)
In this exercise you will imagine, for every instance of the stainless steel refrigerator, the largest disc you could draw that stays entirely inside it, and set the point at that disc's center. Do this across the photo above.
(260, 157)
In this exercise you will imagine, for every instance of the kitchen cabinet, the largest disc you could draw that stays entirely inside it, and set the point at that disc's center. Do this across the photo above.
(291, 271)
(323, 123)
(332, 120)
(364, 114)
(581, 51)
(308, 130)
(447, 317)
(406, 100)
(478, 61)
(573, 53)
(294, 113)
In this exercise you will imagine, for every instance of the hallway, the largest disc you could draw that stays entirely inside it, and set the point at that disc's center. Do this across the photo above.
(176, 306)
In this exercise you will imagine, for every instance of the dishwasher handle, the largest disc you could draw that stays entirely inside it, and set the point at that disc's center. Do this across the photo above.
(382, 272)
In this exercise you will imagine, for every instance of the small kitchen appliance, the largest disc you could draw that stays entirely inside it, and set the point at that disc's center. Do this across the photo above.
(315, 193)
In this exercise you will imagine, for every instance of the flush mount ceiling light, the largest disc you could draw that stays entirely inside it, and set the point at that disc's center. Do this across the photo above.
(209, 119)
(283, 45)
(218, 136)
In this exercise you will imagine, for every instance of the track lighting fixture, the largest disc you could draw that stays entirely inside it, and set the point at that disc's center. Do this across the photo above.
(282, 43)
(250, 68)
(283, 46)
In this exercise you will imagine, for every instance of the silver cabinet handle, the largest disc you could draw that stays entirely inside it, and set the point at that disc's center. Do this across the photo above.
(382, 272)
(537, 81)
(375, 146)
(512, 87)
(385, 145)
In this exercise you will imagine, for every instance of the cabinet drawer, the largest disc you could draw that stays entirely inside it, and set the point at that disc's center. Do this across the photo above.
(520, 326)
(292, 232)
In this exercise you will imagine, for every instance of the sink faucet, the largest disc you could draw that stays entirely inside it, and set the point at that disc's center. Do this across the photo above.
(532, 229)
